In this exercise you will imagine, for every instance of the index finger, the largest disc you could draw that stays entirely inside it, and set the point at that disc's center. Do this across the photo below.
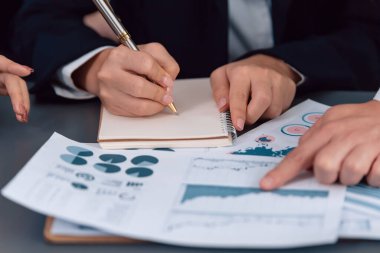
(11, 67)
(301, 158)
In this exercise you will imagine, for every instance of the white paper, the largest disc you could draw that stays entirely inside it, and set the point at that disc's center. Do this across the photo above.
(193, 200)
(359, 225)
(364, 198)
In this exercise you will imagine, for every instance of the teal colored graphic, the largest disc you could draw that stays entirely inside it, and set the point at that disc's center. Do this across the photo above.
(107, 168)
(312, 117)
(264, 151)
(264, 139)
(85, 176)
(144, 160)
(365, 190)
(79, 186)
(164, 149)
(197, 191)
(139, 172)
(74, 160)
(79, 151)
(112, 158)
(294, 129)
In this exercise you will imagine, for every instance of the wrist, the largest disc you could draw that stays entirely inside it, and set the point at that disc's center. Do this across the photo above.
(85, 77)
(278, 65)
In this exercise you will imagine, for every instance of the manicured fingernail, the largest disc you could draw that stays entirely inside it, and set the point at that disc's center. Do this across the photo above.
(267, 183)
(240, 124)
(29, 69)
(167, 99)
(167, 81)
(222, 103)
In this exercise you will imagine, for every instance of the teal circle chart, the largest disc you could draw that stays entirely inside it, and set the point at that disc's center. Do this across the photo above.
(74, 160)
(79, 186)
(312, 117)
(79, 151)
(294, 129)
(144, 160)
(112, 158)
(139, 172)
(107, 168)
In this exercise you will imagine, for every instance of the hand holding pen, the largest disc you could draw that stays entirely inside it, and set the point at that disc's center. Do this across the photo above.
(128, 82)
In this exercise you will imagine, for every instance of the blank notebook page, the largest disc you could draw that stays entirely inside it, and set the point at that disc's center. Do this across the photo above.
(198, 118)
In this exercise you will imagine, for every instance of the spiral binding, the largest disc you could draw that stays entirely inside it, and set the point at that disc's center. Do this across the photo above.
(226, 124)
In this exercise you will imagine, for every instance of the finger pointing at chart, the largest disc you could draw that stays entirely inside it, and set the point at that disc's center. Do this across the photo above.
(338, 148)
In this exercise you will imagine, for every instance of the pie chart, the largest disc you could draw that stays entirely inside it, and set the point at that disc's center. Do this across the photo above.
(107, 168)
(112, 158)
(139, 172)
(74, 160)
(144, 160)
(79, 186)
(79, 151)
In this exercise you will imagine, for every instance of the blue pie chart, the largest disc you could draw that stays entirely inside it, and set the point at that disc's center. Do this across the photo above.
(79, 151)
(139, 172)
(144, 160)
(112, 158)
(72, 159)
(79, 186)
(107, 168)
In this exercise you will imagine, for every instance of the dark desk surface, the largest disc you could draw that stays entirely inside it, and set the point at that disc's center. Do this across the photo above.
(21, 229)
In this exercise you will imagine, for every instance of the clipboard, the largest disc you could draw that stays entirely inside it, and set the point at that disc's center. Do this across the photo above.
(75, 239)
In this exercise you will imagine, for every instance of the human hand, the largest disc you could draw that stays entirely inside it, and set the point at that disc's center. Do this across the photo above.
(343, 145)
(130, 83)
(11, 84)
(258, 86)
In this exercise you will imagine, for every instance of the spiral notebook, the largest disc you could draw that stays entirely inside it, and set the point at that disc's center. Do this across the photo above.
(198, 124)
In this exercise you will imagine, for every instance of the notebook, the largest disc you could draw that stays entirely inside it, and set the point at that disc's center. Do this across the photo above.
(198, 123)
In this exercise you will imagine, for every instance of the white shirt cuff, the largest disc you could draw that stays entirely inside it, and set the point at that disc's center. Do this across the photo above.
(303, 77)
(67, 88)
(377, 96)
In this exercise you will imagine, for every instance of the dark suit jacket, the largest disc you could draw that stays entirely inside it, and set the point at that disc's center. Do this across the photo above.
(335, 44)
(6, 17)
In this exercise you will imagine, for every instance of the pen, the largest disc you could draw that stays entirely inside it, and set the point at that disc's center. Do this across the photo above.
(114, 22)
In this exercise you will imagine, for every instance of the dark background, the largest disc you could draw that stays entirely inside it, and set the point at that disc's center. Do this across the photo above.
(7, 10)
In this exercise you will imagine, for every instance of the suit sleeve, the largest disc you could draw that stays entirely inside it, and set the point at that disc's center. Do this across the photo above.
(50, 33)
(348, 58)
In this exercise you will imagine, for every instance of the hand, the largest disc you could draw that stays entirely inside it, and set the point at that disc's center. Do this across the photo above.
(259, 86)
(130, 83)
(11, 84)
(343, 145)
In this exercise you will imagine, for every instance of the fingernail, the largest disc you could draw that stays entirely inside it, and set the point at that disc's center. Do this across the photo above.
(167, 81)
(240, 124)
(167, 99)
(29, 69)
(267, 183)
(222, 102)
(19, 118)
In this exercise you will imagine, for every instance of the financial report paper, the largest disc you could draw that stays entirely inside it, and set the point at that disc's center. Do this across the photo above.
(182, 199)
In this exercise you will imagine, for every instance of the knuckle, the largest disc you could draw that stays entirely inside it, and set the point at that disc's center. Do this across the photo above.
(156, 46)
(216, 73)
(323, 165)
(274, 111)
(147, 62)
(238, 70)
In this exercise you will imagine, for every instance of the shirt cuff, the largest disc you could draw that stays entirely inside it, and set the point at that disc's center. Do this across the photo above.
(377, 96)
(66, 88)
(303, 77)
